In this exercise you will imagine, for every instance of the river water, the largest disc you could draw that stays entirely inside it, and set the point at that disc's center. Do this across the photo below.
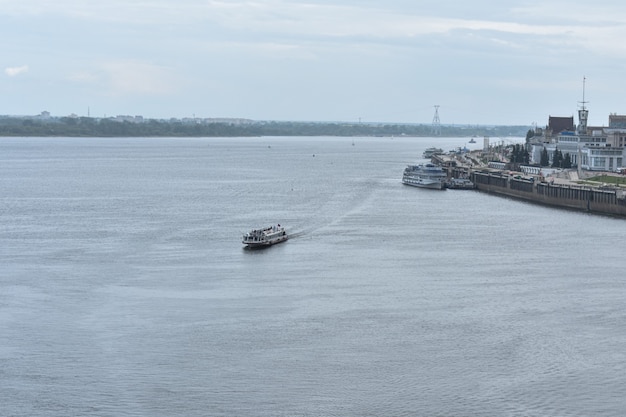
(125, 290)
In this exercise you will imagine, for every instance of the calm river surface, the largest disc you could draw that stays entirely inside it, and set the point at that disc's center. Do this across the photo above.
(125, 290)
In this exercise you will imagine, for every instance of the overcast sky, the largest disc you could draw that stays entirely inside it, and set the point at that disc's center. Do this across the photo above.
(481, 61)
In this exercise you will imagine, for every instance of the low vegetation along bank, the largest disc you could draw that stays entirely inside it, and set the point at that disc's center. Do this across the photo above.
(94, 127)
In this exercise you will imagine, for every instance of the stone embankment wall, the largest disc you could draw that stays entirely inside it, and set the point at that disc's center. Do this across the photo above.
(597, 200)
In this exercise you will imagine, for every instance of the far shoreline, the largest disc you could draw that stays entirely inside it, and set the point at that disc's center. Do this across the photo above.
(87, 127)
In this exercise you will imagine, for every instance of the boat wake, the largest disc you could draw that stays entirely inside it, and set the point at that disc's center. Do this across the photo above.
(335, 208)
(297, 234)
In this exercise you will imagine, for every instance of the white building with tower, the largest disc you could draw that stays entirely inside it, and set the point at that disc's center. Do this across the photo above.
(589, 148)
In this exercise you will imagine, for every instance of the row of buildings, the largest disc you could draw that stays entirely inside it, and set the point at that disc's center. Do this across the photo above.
(590, 148)
(45, 116)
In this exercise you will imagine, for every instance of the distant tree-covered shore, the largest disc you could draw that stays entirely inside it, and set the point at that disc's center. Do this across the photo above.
(114, 127)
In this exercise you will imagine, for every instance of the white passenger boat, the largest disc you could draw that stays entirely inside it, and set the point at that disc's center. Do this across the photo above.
(265, 237)
(425, 176)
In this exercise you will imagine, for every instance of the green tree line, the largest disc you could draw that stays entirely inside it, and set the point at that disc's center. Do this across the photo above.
(92, 127)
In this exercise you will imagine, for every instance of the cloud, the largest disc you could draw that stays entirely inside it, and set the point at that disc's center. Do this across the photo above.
(135, 77)
(164, 55)
(14, 71)
(83, 76)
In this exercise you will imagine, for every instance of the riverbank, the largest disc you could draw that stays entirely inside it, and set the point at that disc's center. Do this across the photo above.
(562, 188)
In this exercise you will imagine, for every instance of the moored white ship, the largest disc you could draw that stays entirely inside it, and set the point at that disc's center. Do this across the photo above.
(265, 237)
(425, 176)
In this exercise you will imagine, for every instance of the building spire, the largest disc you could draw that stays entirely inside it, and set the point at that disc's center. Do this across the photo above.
(583, 113)
(583, 102)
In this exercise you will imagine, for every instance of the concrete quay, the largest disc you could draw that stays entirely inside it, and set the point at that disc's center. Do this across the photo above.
(562, 189)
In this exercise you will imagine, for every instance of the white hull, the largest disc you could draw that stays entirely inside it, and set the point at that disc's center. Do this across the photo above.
(422, 183)
(265, 243)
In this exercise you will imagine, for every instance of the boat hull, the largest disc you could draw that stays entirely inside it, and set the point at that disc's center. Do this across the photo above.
(460, 184)
(265, 244)
(425, 176)
(420, 183)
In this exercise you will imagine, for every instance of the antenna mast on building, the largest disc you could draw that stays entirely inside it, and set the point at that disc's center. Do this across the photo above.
(436, 122)
(583, 113)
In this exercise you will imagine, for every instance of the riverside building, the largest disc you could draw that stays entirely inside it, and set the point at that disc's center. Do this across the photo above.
(589, 148)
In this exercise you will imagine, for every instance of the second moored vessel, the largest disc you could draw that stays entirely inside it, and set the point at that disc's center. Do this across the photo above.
(460, 184)
(428, 153)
